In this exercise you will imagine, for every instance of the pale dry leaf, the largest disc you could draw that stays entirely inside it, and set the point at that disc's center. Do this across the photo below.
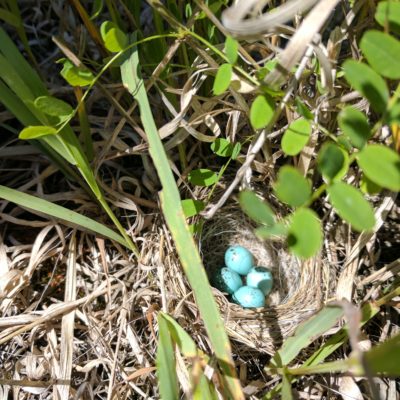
(349, 389)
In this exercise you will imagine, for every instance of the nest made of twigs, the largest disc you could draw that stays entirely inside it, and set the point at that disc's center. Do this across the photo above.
(300, 287)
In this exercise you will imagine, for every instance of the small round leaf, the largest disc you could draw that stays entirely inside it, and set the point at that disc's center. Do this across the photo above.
(255, 208)
(34, 132)
(202, 177)
(388, 14)
(261, 111)
(76, 76)
(223, 147)
(305, 233)
(291, 187)
(296, 136)
(381, 165)
(369, 187)
(303, 110)
(52, 106)
(331, 160)
(268, 232)
(354, 125)
(351, 206)
(222, 79)
(369, 83)
(231, 49)
(192, 207)
(114, 39)
(382, 52)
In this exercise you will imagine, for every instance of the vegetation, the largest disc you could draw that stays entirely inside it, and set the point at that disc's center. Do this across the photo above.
(179, 100)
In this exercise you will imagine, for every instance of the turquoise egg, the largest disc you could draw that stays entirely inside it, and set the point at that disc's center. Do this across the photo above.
(238, 259)
(226, 280)
(261, 278)
(249, 297)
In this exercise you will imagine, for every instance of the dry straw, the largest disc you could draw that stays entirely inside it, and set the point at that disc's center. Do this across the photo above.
(299, 286)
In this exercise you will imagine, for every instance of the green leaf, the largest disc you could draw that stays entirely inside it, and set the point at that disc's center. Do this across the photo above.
(344, 143)
(76, 76)
(305, 233)
(269, 232)
(34, 132)
(255, 208)
(173, 213)
(384, 358)
(351, 206)
(236, 150)
(303, 110)
(261, 111)
(10, 18)
(222, 79)
(296, 136)
(56, 211)
(224, 148)
(286, 387)
(183, 340)
(331, 160)
(305, 334)
(382, 52)
(52, 106)
(202, 177)
(388, 13)
(354, 125)
(21, 66)
(369, 187)
(381, 165)
(393, 116)
(192, 207)
(369, 83)
(166, 369)
(114, 39)
(231, 49)
(97, 8)
(203, 389)
(291, 187)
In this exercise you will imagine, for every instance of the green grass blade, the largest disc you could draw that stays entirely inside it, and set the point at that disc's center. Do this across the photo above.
(16, 106)
(186, 344)
(204, 390)
(23, 88)
(172, 208)
(21, 66)
(11, 77)
(286, 387)
(166, 372)
(56, 211)
(50, 145)
(305, 334)
(369, 310)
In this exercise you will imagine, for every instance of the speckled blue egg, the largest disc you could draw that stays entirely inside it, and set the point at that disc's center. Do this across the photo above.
(260, 278)
(226, 280)
(238, 259)
(249, 297)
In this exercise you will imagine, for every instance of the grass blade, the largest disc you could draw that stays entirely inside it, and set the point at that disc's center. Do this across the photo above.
(305, 334)
(166, 372)
(21, 66)
(54, 210)
(172, 208)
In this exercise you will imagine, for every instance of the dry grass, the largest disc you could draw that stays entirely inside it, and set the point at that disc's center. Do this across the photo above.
(79, 315)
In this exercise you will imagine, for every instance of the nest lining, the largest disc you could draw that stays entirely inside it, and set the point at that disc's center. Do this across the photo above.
(299, 290)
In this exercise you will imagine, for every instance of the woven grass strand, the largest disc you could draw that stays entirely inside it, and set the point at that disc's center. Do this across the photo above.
(300, 287)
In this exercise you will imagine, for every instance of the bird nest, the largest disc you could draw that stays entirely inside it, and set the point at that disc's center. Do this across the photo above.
(300, 286)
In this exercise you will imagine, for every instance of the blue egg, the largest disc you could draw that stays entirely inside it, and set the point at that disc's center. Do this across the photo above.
(261, 278)
(249, 297)
(226, 280)
(238, 259)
